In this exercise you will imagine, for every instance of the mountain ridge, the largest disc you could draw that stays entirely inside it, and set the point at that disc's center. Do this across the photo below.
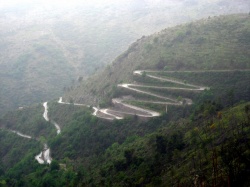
(206, 143)
(168, 49)
(44, 48)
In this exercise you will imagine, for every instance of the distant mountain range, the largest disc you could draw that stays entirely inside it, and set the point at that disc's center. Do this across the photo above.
(45, 48)
(219, 43)
(189, 124)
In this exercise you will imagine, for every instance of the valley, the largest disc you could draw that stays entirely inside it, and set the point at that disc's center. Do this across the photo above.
(118, 112)
(172, 110)
(44, 156)
(48, 49)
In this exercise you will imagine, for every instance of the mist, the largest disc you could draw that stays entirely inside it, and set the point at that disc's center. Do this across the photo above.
(45, 45)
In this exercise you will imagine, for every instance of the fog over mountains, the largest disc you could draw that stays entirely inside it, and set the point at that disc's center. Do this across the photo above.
(124, 93)
(45, 46)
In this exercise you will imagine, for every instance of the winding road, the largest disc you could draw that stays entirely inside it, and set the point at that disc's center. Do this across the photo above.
(45, 116)
(44, 156)
(121, 108)
(140, 72)
(128, 109)
(76, 104)
(21, 134)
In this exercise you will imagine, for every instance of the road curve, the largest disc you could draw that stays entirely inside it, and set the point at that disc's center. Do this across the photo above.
(111, 114)
(45, 116)
(21, 134)
(44, 156)
(66, 103)
(140, 72)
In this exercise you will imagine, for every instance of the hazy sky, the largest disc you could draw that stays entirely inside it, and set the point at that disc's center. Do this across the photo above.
(8, 3)
(66, 3)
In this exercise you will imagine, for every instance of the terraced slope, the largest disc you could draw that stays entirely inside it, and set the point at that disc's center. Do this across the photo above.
(135, 98)
(220, 43)
(121, 106)
(45, 46)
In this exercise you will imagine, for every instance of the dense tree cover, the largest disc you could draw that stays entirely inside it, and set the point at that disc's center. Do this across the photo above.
(210, 147)
(17, 154)
(212, 151)
(13, 148)
(29, 173)
(95, 135)
(203, 144)
(28, 120)
(136, 152)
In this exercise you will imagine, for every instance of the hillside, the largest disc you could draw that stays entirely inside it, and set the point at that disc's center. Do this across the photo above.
(212, 148)
(169, 120)
(206, 151)
(45, 48)
(218, 43)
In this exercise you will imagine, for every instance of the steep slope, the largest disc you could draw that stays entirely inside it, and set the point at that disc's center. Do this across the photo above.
(211, 151)
(205, 143)
(44, 48)
(219, 43)
(28, 121)
(14, 148)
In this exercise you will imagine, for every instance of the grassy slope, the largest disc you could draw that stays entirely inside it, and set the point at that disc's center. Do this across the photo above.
(28, 121)
(43, 49)
(227, 87)
(216, 43)
(139, 157)
(14, 148)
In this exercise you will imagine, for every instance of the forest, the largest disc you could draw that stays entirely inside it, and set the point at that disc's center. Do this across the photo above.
(200, 139)
(209, 145)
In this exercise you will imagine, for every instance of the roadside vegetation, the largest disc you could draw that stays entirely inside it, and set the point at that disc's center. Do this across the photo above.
(203, 144)
(216, 43)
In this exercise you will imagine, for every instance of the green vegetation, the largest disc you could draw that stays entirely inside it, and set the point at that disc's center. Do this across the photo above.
(177, 49)
(40, 57)
(211, 146)
(210, 150)
(235, 84)
(24, 82)
(207, 143)
(14, 148)
(150, 106)
(153, 82)
(28, 121)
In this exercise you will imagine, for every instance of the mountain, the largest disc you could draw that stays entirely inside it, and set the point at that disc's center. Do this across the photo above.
(210, 150)
(45, 47)
(182, 121)
(219, 43)
(91, 151)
